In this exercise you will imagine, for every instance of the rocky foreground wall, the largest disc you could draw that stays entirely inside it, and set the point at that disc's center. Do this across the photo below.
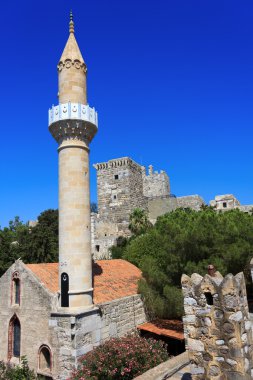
(217, 327)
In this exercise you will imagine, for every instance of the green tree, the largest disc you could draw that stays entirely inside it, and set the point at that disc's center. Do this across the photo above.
(139, 222)
(40, 245)
(10, 238)
(186, 241)
(33, 245)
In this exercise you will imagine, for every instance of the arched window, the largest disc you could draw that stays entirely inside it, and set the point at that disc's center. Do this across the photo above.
(16, 288)
(64, 290)
(14, 338)
(45, 359)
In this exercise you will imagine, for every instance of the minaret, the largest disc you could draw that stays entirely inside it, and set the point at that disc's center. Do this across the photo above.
(73, 124)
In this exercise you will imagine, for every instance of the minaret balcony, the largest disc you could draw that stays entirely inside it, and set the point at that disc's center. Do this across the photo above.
(73, 121)
(72, 111)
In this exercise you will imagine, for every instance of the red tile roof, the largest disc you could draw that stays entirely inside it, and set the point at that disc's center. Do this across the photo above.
(113, 279)
(166, 327)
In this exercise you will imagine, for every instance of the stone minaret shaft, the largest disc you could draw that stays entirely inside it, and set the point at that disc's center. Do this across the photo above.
(73, 124)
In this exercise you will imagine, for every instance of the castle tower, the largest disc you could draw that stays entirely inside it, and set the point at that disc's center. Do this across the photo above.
(73, 124)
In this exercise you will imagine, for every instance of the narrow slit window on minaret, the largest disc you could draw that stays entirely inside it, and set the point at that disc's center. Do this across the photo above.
(64, 290)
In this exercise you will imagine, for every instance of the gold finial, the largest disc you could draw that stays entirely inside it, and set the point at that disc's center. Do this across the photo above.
(71, 23)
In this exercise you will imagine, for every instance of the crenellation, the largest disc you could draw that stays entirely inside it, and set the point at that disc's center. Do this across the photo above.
(217, 326)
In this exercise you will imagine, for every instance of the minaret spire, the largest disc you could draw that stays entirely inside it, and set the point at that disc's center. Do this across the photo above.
(71, 23)
(72, 71)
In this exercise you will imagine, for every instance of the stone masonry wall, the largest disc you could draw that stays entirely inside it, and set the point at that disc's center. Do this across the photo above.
(217, 327)
(81, 333)
(155, 184)
(192, 201)
(120, 189)
(159, 206)
(103, 235)
(33, 313)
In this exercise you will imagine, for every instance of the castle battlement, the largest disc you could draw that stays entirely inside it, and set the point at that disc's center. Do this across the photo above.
(118, 162)
(217, 326)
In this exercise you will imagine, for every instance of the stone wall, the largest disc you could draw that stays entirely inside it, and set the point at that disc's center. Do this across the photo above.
(122, 186)
(79, 334)
(246, 208)
(192, 201)
(155, 184)
(159, 206)
(228, 202)
(103, 235)
(217, 327)
(33, 313)
(119, 189)
(225, 202)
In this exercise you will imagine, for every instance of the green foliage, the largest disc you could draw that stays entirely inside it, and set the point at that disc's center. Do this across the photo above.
(139, 222)
(117, 250)
(41, 244)
(32, 244)
(121, 359)
(22, 372)
(186, 241)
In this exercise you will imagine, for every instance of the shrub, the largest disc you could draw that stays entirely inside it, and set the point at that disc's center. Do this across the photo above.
(121, 358)
(11, 372)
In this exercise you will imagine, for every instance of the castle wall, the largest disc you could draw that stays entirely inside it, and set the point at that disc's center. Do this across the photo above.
(159, 206)
(122, 186)
(217, 326)
(155, 184)
(192, 201)
(246, 208)
(119, 189)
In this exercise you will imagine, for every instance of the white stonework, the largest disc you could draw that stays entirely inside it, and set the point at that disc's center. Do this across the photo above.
(73, 111)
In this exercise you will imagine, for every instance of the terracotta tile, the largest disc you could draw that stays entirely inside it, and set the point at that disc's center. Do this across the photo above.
(113, 279)
(166, 327)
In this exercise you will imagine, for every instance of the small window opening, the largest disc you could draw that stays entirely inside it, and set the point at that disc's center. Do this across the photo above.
(17, 291)
(64, 290)
(15, 288)
(97, 248)
(116, 176)
(209, 298)
(45, 359)
(105, 234)
(224, 204)
(115, 197)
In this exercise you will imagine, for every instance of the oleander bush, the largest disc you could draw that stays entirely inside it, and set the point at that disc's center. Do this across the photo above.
(121, 358)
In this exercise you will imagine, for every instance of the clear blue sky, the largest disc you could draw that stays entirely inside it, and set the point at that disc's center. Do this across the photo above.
(172, 82)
